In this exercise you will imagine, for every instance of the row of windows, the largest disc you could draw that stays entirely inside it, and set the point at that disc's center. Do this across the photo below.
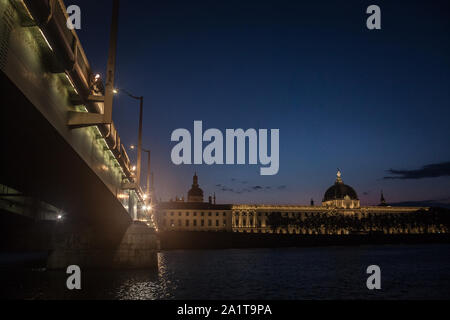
(217, 214)
(310, 214)
(244, 222)
(195, 214)
(283, 214)
(194, 223)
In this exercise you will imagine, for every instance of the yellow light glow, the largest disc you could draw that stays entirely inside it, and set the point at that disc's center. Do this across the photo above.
(70, 80)
(45, 38)
(28, 11)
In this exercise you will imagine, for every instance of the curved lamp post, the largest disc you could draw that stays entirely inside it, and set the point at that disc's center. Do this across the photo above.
(139, 148)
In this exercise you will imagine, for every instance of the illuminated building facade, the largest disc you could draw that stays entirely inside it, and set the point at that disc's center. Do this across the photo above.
(340, 213)
(193, 215)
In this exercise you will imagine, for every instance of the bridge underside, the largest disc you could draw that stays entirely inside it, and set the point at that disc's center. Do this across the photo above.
(38, 162)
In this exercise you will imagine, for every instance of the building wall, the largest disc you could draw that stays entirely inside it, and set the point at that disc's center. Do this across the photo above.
(194, 220)
(254, 219)
(342, 203)
(307, 220)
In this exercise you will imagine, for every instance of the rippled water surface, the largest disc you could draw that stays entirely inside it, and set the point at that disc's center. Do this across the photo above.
(408, 272)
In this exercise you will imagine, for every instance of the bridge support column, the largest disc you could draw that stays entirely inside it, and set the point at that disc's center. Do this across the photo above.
(137, 248)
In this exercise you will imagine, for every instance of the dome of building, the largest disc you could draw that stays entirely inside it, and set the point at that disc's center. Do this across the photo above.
(339, 191)
(340, 195)
(195, 194)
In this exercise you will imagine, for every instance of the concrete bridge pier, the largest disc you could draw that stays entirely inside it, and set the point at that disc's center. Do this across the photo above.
(136, 247)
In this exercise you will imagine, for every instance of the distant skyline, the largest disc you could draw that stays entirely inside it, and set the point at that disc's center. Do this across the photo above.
(376, 104)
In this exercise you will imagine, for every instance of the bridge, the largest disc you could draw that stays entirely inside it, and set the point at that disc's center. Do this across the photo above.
(64, 170)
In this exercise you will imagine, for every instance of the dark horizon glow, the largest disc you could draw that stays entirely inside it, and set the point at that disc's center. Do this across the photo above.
(341, 95)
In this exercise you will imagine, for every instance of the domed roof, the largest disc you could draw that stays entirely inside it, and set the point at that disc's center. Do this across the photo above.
(195, 191)
(339, 190)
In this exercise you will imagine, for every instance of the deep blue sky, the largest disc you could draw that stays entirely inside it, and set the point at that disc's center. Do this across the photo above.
(341, 95)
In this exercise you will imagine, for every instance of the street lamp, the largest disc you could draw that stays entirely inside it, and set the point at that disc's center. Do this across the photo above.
(139, 147)
(148, 174)
(148, 188)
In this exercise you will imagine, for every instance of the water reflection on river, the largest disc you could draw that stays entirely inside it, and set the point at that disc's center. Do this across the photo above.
(408, 272)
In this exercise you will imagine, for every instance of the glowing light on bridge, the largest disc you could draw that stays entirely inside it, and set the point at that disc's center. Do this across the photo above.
(45, 38)
(71, 82)
(27, 10)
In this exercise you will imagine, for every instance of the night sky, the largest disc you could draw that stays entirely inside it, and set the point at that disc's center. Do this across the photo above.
(341, 95)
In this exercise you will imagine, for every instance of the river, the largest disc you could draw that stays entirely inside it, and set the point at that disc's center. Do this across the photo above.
(407, 272)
